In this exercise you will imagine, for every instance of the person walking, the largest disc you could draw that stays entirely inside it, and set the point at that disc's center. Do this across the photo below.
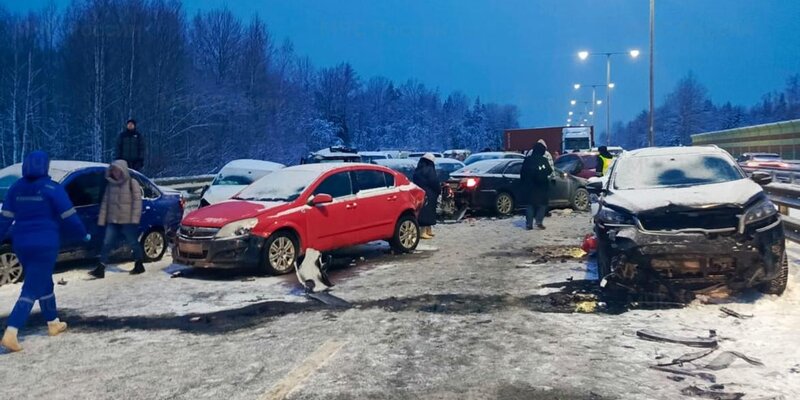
(425, 177)
(130, 146)
(120, 213)
(604, 159)
(535, 177)
(34, 209)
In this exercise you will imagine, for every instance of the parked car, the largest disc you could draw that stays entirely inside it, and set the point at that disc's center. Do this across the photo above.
(444, 166)
(687, 215)
(332, 155)
(458, 154)
(419, 154)
(272, 222)
(498, 188)
(85, 184)
(370, 156)
(491, 155)
(579, 164)
(235, 176)
(761, 160)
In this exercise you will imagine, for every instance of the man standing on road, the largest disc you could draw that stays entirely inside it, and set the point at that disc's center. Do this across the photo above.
(604, 160)
(120, 213)
(535, 177)
(37, 207)
(130, 146)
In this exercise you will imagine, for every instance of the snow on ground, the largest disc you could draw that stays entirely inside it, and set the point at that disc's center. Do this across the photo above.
(466, 317)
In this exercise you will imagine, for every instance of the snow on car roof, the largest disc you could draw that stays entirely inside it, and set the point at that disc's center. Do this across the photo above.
(58, 168)
(253, 164)
(666, 151)
(325, 167)
(328, 152)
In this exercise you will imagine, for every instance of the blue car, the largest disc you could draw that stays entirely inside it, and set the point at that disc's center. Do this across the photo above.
(85, 183)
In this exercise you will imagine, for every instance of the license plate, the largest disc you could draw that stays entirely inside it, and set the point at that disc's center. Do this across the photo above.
(191, 248)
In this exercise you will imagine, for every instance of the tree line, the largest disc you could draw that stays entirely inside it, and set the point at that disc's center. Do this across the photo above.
(688, 110)
(205, 89)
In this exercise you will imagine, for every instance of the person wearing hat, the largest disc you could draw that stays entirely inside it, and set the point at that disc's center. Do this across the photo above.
(547, 154)
(130, 146)
(425, 177)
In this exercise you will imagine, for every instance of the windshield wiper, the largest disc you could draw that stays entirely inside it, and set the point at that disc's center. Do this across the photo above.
(271, 199)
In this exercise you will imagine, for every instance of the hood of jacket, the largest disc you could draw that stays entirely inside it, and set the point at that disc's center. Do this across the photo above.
(36, 165)
(120, 165)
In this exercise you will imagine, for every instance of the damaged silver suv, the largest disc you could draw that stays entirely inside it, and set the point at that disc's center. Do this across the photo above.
(687, 218)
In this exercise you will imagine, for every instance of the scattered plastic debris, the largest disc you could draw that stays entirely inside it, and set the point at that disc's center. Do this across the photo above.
(710, 394)
(728, 311)
(710, 341)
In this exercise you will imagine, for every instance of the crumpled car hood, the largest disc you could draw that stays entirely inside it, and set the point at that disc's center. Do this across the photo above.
(732, 194)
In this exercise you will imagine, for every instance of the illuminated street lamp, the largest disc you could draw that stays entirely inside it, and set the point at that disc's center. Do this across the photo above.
(599, 102)
(570, 113)
(577, 86)
(583, 55)
(595, 102)
(572, 102)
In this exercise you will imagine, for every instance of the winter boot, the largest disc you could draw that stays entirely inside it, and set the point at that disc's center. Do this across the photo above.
(99, 272)
(540, 226)
(56, 327)
(138, 268)
(430, 232)
(424, 234)
(10, 340)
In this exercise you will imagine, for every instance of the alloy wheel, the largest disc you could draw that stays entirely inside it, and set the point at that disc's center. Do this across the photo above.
(153, 245)
(282, 254)
(10, 269)
(408, 234)
(504, 204)
(582, 200)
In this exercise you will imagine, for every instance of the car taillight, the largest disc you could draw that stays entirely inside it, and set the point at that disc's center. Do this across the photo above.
(470, 183)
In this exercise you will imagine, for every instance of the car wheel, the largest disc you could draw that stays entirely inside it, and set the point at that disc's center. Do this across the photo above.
(10, 267)
(280, 253)
(504, 204)
(777, 285)
(154, 244)
(406, 235)
(580, 200)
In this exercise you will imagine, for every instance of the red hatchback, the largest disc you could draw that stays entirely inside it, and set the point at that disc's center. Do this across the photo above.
(272, 222)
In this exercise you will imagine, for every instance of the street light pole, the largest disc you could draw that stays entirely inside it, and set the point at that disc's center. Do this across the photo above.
(651, 140)
(608, 99)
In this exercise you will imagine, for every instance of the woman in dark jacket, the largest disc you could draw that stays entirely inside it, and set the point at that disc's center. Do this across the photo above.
(425, 177)
(535, 178)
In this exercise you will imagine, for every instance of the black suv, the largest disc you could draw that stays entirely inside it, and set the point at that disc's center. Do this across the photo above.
(688, 216)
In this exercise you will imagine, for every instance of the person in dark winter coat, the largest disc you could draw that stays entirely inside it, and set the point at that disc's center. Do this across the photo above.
(37, 207)
(130, 146)
(425, 177)
(535, 177)
(120, 213)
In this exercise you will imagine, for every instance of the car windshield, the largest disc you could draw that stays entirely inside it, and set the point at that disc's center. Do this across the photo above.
(283, 185)
(648, 172)
(229, 180)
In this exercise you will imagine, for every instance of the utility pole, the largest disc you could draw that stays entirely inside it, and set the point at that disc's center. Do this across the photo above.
(651, 141)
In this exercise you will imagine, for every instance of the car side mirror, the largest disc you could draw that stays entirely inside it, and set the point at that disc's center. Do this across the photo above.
(318, 199)
(762, 178)
(595, 187)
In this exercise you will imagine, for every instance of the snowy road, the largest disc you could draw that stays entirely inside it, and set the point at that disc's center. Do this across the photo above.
(466, 317)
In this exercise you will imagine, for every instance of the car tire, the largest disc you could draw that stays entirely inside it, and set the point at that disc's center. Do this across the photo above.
(504, 204)
(580, 200)
(778, 285)
(406, 235)
(10, 268)
(281, 252)
(154, 245)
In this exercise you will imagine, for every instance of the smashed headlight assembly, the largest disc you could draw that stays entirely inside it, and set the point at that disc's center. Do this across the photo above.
(237, 228)
(760, 211)
(609, 217)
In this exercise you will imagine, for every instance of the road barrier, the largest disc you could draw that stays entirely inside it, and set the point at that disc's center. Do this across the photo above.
(787, 198)
(190, 186)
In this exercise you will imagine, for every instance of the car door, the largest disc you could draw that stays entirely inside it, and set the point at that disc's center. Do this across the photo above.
(377, 204)
(85, 189)
(512, 182)
(329, 224)
(152, 212)
(559, 188)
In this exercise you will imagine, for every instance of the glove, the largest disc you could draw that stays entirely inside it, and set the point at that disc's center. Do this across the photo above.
(88, 237)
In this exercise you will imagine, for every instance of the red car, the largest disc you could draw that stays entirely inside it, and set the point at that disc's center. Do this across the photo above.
(579, 164)
(271, 223)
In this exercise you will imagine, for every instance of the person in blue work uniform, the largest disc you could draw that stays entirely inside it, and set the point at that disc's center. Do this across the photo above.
(37, 207)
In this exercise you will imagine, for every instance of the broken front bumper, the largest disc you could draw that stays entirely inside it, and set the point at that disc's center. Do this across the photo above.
(219, 253)
(725, 256)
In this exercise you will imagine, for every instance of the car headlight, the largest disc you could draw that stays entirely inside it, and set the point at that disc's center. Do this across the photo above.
(237, 228)
(762, 210)
(607, 216)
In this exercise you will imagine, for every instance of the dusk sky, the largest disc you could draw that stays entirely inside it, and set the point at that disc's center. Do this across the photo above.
(524, 52)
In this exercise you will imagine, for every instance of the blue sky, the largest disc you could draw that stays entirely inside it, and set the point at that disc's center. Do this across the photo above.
(524, 51)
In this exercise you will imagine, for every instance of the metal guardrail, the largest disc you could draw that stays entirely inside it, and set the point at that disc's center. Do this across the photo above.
(190, 186)
(787, 198)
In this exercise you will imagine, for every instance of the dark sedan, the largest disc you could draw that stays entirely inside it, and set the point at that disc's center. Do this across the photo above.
(495, 186)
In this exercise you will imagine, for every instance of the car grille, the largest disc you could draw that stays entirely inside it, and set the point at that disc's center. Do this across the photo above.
(197, 233)
(702, 219)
